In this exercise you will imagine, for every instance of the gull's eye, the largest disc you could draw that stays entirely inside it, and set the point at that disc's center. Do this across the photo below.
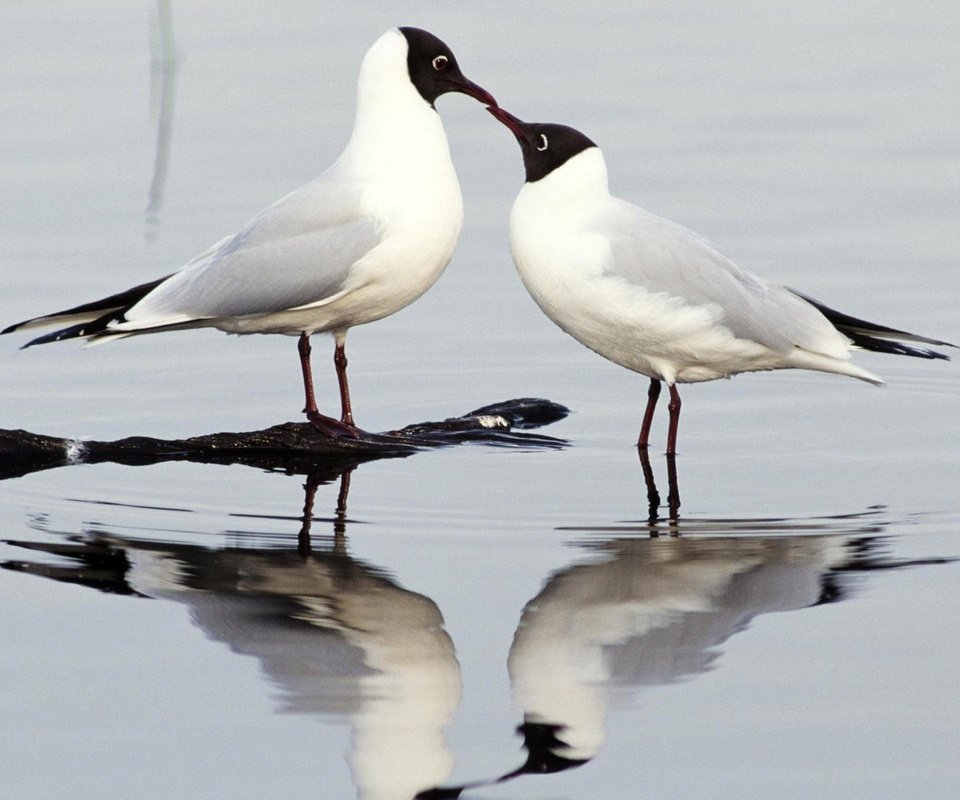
(440, 63)
(544, 144)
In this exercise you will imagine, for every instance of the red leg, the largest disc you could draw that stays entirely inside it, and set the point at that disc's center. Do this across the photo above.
(653, 496)
(674, 408)
(340, 362)
(321, 422)
(303, 347)
(673, 489)
(653, 393)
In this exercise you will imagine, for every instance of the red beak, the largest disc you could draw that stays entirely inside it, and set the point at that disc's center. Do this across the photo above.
(514, 124)
(468, 87)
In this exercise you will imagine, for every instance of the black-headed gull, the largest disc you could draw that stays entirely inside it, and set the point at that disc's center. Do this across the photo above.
(656, 298)
(365, 239)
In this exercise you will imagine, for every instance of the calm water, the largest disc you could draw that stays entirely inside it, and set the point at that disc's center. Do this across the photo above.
(168, 633)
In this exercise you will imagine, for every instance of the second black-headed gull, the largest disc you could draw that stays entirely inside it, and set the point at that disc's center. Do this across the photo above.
(365, 239)
(654, 297)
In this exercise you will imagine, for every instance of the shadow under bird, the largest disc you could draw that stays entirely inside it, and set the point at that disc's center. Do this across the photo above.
(656, 298)
(360, 242)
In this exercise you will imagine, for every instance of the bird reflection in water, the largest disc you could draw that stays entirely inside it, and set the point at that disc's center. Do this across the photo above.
(645, 612)
(651, 612)
(334, 635)
(338, 637)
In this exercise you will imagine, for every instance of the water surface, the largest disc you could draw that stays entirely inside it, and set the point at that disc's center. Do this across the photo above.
(186, 630)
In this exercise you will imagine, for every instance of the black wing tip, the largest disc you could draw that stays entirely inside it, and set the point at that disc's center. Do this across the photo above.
(70, 332)
(94, 329)
(929, 354)
(73, 332)
(878, 345)
(875, 337)
(100, 312)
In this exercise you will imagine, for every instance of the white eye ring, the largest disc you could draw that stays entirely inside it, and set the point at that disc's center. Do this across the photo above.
(440, 63)
(546, 144)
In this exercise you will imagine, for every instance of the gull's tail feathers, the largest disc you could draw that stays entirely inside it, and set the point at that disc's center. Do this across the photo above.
(879, 338)
(806, 359)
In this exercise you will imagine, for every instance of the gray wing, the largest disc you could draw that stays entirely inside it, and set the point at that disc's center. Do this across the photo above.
(296, 252)
(663, 257)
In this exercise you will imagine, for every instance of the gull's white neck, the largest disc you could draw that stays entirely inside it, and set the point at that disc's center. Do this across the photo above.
(396, 132)
(579, 184)
(548, 215)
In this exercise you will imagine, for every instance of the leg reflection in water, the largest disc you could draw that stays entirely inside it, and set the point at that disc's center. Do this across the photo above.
(304, 543)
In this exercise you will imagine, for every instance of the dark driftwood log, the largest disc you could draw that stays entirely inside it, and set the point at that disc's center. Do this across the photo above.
(295, 447)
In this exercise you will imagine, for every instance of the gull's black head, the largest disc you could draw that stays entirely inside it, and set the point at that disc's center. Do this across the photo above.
(434, 70)
(545, 145)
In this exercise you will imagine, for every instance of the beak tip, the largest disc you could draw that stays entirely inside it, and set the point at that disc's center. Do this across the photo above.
(475, 91)
(489, 99)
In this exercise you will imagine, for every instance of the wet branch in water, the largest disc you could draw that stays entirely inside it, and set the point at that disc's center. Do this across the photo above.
(294, 447)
